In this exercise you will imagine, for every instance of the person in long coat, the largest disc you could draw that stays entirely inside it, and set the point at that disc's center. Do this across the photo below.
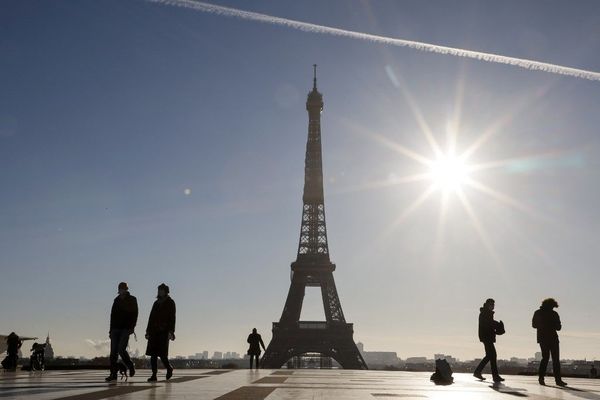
(255, 341)
(161, 329)
(13, 344)
(488, 328)
(547, 323)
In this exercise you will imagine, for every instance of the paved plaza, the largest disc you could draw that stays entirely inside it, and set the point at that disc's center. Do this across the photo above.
(279, 384)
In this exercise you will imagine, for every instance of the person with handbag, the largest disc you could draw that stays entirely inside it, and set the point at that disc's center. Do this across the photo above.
(488, 329)
(255, 341)
(547, 323)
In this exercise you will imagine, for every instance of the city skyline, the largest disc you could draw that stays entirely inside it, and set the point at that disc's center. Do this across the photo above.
(163, 145)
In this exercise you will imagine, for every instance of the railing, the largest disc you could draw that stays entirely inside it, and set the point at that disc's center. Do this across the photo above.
(312, 325)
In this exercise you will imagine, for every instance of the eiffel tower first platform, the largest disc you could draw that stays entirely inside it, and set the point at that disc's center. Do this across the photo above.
(333, 337)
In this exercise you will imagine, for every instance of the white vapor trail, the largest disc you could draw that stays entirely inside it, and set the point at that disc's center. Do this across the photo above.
(314, 28)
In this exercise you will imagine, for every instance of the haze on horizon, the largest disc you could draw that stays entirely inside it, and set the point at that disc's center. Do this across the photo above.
(150, 144)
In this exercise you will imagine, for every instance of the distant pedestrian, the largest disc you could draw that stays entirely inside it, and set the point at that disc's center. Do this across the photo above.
(488, 329)
(255, 341)
(547, 323)
(593, 372)
(13, 344)
(161, 329)
(123, 318)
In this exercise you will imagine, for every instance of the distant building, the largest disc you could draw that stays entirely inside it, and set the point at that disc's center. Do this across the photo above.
(217, 355)
(205, 355)
(538, 356)
(519, 361)
(416, 360)
(375, 358)
(49, 351)
(447, 357)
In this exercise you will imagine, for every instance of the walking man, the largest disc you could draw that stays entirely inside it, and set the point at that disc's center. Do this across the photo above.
(547, 323)
(123, 318)
(488, 329)
(161, 329)
(255, 341)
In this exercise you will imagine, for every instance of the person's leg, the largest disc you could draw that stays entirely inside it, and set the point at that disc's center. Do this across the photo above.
(154, 364)
(544, 362)
(114, 352)
(554, 350)
(123, 343)
(257, 361)
(490, 352)
(482, 364)
(167, 365)
(251, 357)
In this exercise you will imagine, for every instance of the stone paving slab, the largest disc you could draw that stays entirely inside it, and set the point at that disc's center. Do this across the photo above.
(280, 385)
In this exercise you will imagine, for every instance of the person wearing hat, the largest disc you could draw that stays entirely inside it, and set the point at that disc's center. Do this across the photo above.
(161, 329)
(123, 318)
(547, 323)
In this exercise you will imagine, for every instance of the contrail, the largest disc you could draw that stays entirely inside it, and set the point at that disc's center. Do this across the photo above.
(433, 48)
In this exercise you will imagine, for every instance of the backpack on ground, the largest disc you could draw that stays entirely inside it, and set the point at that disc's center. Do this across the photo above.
(443, 373)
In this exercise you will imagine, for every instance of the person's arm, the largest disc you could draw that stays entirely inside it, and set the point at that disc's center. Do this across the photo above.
(557, 323)
(172, 317)
(535, 323)
(261, 342)
(248, 340)
(135, 314)
(150, 317)
(112, 318)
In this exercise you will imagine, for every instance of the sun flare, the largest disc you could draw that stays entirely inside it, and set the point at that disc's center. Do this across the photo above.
(449, 173)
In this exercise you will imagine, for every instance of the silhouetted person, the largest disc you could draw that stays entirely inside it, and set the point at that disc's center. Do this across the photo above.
(547, 323)
(13, 344)
(161, 329)
(593, 372)
(255, 342)
(123, 318)
(488, 328)
(37, 359)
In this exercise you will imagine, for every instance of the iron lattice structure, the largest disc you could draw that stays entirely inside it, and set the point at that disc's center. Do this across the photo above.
(332, 337)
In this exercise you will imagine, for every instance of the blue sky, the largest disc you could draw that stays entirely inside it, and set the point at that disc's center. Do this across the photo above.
(110, 110)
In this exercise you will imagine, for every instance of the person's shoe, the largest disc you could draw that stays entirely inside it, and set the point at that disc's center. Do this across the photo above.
(542, 381)
(152, 378)
(110, 378)
(169, 373)
(561, 383)
(131, 371)
(479, 376)
(498, 379)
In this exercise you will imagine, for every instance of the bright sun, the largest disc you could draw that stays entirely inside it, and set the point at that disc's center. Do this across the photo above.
(448, 173)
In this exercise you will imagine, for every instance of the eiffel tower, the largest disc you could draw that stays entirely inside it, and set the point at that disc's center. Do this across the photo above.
(332, 337)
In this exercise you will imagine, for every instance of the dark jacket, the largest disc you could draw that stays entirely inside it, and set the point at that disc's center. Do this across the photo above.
(547, 322)
(124, 312)
(160, 323)
(487, 326)
(162, 317)
(13, 343)
(255, 341)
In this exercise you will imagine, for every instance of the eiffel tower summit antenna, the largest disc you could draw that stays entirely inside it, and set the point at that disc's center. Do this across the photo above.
(313, 268)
